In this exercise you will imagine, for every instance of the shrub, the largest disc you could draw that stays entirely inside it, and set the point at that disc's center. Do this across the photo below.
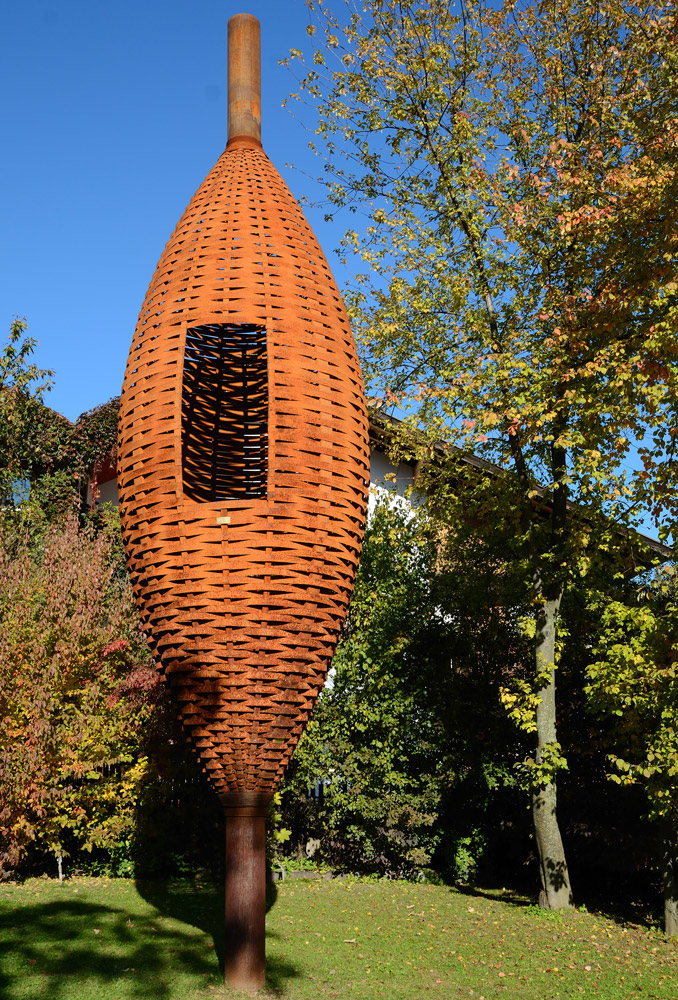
(76, 689)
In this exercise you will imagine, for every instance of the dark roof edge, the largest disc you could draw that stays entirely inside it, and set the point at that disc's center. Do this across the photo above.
(382, 423)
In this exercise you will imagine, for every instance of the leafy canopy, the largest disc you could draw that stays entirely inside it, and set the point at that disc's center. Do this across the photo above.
(22, 387)
(633, 680)
(515, 165)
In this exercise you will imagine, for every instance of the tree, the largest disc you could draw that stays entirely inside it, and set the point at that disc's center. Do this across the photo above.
(634, 683)
(44, 458)
(516, 163)
(91, 756)
(22, 387)
(374, 743)
(77, 692)
(47, 463)
(409, 741)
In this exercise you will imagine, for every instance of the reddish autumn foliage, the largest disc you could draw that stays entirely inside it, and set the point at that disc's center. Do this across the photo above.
(78, 695)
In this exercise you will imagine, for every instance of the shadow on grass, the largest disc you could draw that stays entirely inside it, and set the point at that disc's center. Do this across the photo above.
(76, 949)
(511, 896)
(202, 905)
(622, 910)
(48, 947)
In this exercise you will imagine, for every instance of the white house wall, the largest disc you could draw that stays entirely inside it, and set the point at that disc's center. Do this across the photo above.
(385, 478)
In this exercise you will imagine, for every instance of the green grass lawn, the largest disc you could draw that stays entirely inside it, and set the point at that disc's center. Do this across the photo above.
(94, 938)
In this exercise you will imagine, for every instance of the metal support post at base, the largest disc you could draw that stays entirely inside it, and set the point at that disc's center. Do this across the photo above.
(245, 952)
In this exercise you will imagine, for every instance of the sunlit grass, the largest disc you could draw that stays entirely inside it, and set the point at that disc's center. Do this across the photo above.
(112, 939)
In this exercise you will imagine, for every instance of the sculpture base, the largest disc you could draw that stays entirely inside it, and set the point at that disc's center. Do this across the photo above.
(245, 951)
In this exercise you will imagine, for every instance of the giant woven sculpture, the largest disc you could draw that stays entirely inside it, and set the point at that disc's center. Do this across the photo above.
(242, 460)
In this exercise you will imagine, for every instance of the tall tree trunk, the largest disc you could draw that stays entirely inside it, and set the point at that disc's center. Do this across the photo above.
(670, 881)
(556, 893)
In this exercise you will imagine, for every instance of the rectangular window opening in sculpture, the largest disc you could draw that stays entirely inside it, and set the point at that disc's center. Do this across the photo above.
(224, 413)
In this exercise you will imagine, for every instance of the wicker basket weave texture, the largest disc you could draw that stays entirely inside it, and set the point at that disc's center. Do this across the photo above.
(243, 598)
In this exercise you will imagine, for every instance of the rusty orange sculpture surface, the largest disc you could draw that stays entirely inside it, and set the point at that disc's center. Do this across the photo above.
(242, 461)
(243, 474)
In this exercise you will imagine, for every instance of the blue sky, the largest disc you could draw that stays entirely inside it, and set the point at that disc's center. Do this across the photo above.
(112, 116)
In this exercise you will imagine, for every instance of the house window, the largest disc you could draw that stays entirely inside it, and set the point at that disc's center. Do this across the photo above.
(224, 413)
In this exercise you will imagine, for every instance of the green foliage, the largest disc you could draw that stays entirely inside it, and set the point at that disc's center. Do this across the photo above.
(539, 771)
(409, 739)
(46, 462)
(23, 435)
(95, 438)
(515, 298)
(463, 855)
(276, 833)
(634, 683)
(508, 158)
(370, 741)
